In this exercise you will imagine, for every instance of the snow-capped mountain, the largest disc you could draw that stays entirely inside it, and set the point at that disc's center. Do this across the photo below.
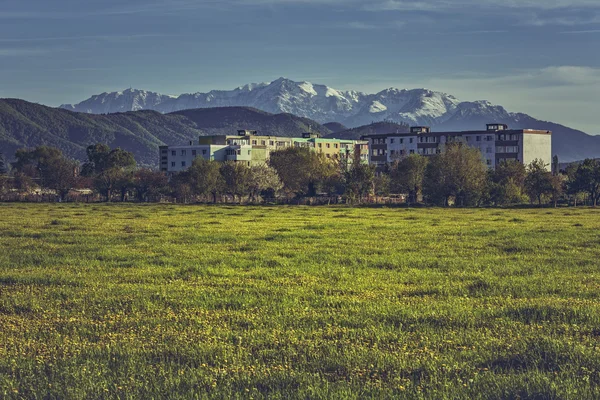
(317, 102)
(127, 100)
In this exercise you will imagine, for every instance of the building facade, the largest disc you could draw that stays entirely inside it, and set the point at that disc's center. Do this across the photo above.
(496, 144)
(251, 148)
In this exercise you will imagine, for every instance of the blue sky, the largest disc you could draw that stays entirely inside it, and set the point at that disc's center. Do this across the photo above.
(536, 56)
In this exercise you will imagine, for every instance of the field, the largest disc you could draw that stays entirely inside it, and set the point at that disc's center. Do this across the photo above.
(134, 301)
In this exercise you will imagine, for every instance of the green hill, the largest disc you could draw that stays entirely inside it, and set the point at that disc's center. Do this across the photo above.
(376, 128)
(24, 124)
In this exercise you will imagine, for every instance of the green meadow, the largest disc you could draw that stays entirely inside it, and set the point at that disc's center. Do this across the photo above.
(182, 302)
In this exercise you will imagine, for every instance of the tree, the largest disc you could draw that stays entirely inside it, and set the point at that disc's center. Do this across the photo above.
(111, 170)
(302, 171)
(264, 181)
(49, 167)
(538, 182)
(124, 181)
(381, 184)
(106, 182)
(236, 177)
(587, 179)
(147, 182)
(205, 178)
(572, 186)
(360, 179)
(3, 165)
(101, 158)
(558, 183)
(60, 175)
(180, 185)
(407, 175)
(457, 172)
(506, 183)
(97, 159)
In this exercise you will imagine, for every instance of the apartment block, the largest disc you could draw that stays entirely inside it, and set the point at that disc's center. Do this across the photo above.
(496, 143)
(335, 149)
(251, 148)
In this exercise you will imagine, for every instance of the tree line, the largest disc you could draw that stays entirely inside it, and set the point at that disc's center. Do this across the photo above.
(457, 176)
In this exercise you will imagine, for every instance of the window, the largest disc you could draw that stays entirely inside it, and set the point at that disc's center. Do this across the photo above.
(183, 152)
(392, 140)
(478, 138)
(172, 163)
(411, 140)
(412, 152)
(468, 138)
(374, 153)
(173, 153)
(488, 162)
(204, 152)
(254, 142)
(262, 142)
(328, 156)
(489, 138)
(238, 152)
(320, 145)
(328, 145)
(401, 141)
(393, 152)
(183, 163)
(271, 143)
(500, 149)
(335, 145)
(164, 158)
(514, 137)
(229, 142)
(194, 153)
(248, 152)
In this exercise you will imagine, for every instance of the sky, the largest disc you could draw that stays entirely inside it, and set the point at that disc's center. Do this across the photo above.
(540, 57)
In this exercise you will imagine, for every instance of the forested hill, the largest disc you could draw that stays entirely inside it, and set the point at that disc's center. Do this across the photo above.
(375, 128)
(24, 124)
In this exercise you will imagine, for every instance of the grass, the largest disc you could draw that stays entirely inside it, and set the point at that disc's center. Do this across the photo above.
(132, 301)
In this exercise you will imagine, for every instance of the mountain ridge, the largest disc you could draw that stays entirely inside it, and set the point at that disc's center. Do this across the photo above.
(352, 109)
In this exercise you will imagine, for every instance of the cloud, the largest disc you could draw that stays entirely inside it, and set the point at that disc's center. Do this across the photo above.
(155, 7)
(562, 20)
(442, 5)
(581, 32)
(9, 52)
(84, 37)
(366, 26)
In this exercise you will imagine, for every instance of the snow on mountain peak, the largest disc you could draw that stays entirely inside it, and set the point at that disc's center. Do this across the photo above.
(308, 88)
(319, 102)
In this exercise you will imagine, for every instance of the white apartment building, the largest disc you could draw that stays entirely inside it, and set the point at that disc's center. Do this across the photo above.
(496, 143)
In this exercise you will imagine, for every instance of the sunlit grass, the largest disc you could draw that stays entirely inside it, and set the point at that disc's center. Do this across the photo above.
(132, 301)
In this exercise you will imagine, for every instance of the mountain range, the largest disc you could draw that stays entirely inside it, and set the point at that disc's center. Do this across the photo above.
(350, 109)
